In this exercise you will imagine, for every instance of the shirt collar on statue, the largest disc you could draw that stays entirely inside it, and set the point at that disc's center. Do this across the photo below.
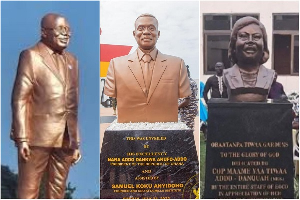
(51, 52)
(152, 53)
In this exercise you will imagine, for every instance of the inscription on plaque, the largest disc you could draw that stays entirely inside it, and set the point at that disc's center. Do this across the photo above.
(249, 151)
(145, 164)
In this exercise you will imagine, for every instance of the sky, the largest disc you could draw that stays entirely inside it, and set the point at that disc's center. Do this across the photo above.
(20, 22)
(178, 25)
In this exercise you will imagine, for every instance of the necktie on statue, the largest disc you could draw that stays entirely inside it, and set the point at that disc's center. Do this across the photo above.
(60, 64)
(147, 75)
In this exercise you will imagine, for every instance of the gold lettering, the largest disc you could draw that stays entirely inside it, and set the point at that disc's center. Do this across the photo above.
(253, 178)
(122, 186)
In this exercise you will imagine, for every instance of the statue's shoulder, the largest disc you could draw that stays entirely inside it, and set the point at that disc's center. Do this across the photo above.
(232, 71)
(227, 71)
(269, 72)
(122, 58)
(170, 57)
(30, 51)
(71, 56)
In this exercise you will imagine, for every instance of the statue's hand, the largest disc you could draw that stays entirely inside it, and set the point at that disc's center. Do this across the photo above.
(24, 150)
(76, 156)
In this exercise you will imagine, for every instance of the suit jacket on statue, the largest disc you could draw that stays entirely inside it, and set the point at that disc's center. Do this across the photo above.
(169, 82)
(236, 89)
(44, 104)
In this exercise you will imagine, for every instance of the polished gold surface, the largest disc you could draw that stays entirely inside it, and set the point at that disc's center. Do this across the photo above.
(55, 161)
(126, 80)
(43, 102)
(45, 108)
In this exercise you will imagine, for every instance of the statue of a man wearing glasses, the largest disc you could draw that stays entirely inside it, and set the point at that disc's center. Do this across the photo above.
(248, 79)
(147, 83)
(45, 107)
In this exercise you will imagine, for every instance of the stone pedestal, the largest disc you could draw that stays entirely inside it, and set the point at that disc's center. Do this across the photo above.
(249, 150)
(149, 164)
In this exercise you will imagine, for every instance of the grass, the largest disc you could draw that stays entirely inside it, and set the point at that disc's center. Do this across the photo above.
(296, 187)
(202, 170)
(202, 163)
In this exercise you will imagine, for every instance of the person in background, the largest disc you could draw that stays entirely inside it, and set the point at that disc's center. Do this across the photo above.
(188, 107)
(215, 84)
(276, 91)
(203, 112)
(114, 104)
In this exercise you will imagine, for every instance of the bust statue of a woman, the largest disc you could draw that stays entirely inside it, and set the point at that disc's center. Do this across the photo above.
(248, 79)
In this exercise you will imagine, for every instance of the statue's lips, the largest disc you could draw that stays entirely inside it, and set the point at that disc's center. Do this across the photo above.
(147, 39)
(250, 50)
(64, 40)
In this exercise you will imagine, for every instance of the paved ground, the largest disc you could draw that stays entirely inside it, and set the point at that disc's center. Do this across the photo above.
(106, 117)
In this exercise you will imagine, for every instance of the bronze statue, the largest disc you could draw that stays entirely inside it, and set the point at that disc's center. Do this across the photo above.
(147, 83)
(248, 79)
(45, 107)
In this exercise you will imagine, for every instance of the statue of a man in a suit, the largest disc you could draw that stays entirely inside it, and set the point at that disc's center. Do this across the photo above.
(45, 107)
(147, 83)
(248, 79)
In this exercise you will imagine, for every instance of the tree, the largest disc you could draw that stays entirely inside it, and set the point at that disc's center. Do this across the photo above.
(69, 191)
(9, 185)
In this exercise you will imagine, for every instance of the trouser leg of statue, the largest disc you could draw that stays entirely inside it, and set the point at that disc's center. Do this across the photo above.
(54, 162)
(31, 173)
(59, 165)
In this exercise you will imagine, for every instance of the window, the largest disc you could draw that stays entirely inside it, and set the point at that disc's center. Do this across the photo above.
(216, 36)
(286, 43)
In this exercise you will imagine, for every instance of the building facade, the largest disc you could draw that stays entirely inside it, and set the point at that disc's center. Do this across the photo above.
(281, 20)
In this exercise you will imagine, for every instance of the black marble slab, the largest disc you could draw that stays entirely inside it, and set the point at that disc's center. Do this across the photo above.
(145, 164)
(249, 150)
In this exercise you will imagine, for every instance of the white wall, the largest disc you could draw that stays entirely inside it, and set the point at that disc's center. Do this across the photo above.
(265, 10)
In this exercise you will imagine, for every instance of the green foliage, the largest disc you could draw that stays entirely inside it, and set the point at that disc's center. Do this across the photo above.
(296, 188)
(201, 189)
(9, 183)
(202, 163)
(69, 191)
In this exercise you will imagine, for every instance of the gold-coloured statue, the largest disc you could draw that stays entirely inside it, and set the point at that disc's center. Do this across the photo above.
(248, 79)
(147, 83)
(45, 108)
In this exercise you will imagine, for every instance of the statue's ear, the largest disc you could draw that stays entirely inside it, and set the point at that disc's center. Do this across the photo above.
(265, 57)
(43, 33)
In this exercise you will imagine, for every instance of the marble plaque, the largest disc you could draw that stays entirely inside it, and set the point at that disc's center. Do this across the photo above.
(249, 150)
(149, 164)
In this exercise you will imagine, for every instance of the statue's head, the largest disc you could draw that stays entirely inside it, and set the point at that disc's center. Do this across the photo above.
(55, 31)
(248, 42)
(146, 31)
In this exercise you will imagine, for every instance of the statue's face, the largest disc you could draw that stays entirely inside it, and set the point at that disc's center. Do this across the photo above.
(146, 32)
(249, 45)
(57, 34)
